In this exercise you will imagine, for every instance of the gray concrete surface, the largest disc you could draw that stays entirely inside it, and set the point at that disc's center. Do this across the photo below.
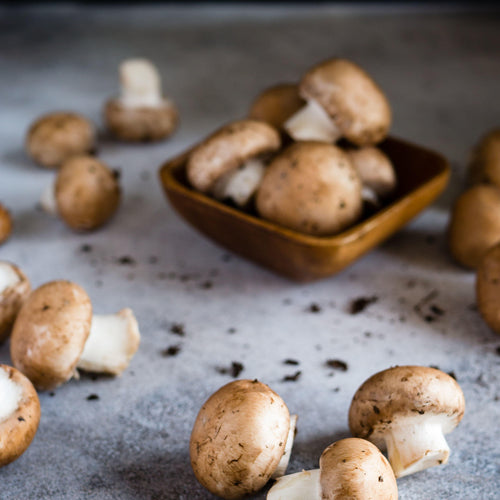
(441, 73)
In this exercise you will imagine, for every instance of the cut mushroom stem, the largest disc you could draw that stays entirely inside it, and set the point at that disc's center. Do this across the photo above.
(283, 463)
(140, 84)
(112, 342)
(312, 123)
(303, 485)
(48, 199)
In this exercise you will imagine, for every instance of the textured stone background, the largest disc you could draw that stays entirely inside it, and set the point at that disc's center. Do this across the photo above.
(441, 73)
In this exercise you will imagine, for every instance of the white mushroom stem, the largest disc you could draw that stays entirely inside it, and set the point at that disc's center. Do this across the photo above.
(8, 277)
(140, 84)
(48, 199)
(240, 184)
(312, 123)
(303, 485)
(112, 342)
(11, 394)
(415, 447)
(283, 463)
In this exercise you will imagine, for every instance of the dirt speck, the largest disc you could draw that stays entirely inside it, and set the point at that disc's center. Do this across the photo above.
(361, 303)
(234, 369)
(337, 364)
(292, 378)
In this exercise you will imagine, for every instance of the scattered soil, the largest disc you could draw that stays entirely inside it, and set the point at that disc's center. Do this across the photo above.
(290, 361)
(361, 303)
(178, 329)
(172, 350)
(292, 378)
(314, 308)
(234, 370)
(92, 397)
(337, 364)
(126, 260)
(86, 248)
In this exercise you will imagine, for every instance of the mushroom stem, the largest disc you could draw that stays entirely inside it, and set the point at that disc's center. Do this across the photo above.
(303, 485)
(11, 396)
(415, 447)
(112, 342)
(140, 84)
(8, 277)
(312, 123)
(48, 199)
(283, 463)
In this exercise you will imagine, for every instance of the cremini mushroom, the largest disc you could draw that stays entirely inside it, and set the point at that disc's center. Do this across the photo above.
(55, 333)
(488, 288)
(484, 165)
(55, 137)
(19, 414)
(242, 436)
(349, 468)
(230, 162)
(474, 224)
(14, 289)
(311, 187)
(342, 101)
(141, 113)
(408, 410)
(5, 224)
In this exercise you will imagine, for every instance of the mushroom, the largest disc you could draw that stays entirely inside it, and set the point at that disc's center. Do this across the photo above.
(311, 187)
(349, 468)
(242, 435)
(141, 113)
(230, 162)
(19, 414)
(5, 224)
(55, 137)
(342, 101)
(55, 333)
(484, 166)
(474, 224)
(407, 410)
(14, 289)
(488, 288)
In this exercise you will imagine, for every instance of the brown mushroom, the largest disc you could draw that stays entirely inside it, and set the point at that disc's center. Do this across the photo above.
(5, 224)
(488, 288)
(484, 166)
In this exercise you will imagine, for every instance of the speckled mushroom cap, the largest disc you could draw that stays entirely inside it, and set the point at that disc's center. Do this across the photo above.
(239, 438)
(488, 288)
(55, 137)
(484, 166)
(355, 468)
(19, 425)
(401, 392)
(311, 187)
(353, 100)
(5, 224)
(49, 333)
(228, 148)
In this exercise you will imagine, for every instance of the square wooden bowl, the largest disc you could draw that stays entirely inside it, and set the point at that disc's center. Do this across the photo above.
(422, 175)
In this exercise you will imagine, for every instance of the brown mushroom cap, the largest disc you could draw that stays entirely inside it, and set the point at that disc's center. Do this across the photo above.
(353, 100)
(474, 224)
(239, 438)
(19, 428)
(484, 166)
(141, 124)
(311, 187)
(50, 332)
(355, 468)
(5, 224)
(87, 193)
(55, 137)
(228, 148)
(488, 288)
(276, 104)
(402, 392)
(11, 300)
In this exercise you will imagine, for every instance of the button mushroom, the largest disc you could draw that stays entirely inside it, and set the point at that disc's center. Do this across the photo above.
(19, 414)
(141, 113)
(242, 435)
(55, 137)
(484, 165)
(5, 224)
(230, 163)
(14, 289)
(349, 468)
(55, 333)
(311, 187)
(488, 288)
(408, 409)
(342, 101)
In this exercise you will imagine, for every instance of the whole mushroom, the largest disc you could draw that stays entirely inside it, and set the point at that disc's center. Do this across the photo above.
(349, 468)
(408, 410)
(242, 437)
(55, 334)
(488, 288)
(5, 224)
(19, 414)
(484, 166)
(56, 137)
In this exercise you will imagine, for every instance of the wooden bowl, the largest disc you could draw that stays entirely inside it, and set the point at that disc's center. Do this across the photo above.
(422, 175)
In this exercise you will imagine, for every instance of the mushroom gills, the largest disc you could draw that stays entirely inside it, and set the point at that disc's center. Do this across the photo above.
(413, 447)
(8, 277)
(303, 485)
(112, 342)
(48, 199)
(140, 84)
(11, 395)
(312, 123)
(283, 463)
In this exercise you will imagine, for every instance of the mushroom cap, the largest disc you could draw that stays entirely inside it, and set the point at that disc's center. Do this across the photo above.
(55, 137)
(484, 165)
(12, 298)
(355, 468)
(141, 124)
(238, 438)
(87, 193)
(276, 104)
(402, 392)
(474, 224)
(228, 148)
(18, 428)
(311, 187)
(353, 100)
(488, 288)
(50, 332)
(5, 224)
